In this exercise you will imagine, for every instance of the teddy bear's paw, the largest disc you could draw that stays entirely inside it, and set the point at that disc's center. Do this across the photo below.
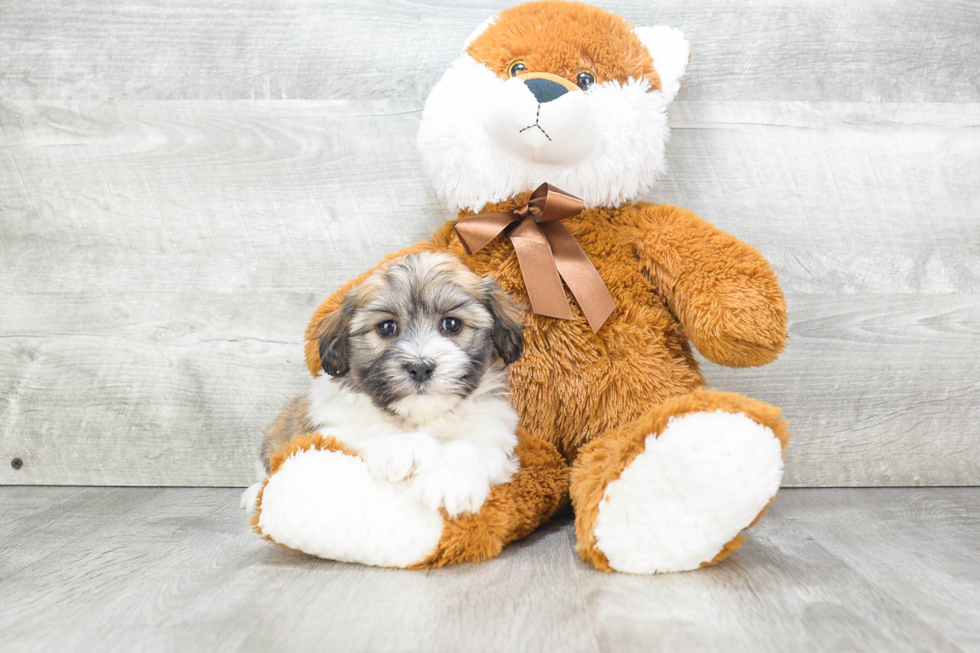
(706, 477)
(249, 497)
(328, 504)
(458, 488)
(395, 457)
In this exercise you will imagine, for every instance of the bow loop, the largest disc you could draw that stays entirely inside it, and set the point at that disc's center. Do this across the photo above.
(546, 252)
(556, 204)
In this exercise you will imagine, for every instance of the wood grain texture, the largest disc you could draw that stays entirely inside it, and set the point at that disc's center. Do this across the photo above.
(181, 183)
(889, 51)
(177, 569)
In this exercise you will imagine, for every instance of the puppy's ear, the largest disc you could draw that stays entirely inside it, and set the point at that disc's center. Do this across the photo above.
(334, 339)
(507, 331)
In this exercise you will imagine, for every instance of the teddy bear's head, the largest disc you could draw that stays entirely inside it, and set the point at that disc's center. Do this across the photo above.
(558, 92)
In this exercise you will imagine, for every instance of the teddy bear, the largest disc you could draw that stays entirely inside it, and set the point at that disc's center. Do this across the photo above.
(542, 137)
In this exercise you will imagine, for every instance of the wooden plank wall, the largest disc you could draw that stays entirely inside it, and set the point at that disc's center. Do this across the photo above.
(181, 182)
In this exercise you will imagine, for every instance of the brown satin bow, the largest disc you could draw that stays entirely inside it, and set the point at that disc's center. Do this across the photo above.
(545, 249)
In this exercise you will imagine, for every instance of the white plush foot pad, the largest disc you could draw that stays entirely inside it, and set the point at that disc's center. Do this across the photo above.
(692, 490)
(327, 504)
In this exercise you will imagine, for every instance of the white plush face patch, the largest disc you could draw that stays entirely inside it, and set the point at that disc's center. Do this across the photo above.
(539, 121)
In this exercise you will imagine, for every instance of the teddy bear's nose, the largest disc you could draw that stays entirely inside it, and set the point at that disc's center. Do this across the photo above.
(545, 90)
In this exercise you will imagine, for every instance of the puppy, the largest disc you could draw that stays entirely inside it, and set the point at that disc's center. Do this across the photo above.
(414, 382)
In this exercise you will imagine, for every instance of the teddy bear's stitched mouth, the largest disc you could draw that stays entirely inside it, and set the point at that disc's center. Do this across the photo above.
(537, 123)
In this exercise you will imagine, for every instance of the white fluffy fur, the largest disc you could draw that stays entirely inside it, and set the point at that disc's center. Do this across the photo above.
(561, 132)
(366, 520)
(689, 493)
(449, 460)
(606, 144)
(670, 52)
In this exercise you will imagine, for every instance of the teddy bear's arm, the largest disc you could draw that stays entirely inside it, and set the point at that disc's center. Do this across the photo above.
(722, 290)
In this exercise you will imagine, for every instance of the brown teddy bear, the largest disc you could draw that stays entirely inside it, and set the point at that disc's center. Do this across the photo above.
(543, 134)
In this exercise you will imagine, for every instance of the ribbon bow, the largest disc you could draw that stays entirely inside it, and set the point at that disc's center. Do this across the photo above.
(547, 253)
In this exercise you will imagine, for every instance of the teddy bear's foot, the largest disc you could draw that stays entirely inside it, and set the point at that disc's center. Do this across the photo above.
(672, 490)
(323, 500)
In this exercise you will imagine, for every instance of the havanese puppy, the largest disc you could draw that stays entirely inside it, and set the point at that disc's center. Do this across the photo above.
(414, 381)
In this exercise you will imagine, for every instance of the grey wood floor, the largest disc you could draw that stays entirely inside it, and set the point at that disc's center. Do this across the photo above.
(150, 569)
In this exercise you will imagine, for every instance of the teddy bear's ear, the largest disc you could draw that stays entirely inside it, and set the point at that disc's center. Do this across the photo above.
(479, 30)
(670, 52)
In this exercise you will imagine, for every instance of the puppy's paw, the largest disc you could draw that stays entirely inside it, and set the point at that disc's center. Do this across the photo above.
(250, 497)
(396, 457)
(457, 488)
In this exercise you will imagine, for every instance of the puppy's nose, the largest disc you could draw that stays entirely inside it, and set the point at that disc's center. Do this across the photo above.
(545, 90)
(421, 370)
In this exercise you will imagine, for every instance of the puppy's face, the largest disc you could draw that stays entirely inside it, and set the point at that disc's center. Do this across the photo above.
(418, 335)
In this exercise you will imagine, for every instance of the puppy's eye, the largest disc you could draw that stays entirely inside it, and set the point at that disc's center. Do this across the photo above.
(585, 79)
(451, 325)
(517, 68)
(387, 329)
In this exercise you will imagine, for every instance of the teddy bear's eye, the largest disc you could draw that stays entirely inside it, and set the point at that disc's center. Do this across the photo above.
(585, 79)
(517, 68)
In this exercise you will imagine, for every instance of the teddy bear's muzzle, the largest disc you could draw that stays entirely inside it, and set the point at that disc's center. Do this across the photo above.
(543, 118)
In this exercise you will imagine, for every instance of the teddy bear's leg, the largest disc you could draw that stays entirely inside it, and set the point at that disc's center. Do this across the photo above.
(512, 511)
(322, 500)
(672, 490)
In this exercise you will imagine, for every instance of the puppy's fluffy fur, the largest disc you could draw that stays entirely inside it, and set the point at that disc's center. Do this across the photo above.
(414, 382)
